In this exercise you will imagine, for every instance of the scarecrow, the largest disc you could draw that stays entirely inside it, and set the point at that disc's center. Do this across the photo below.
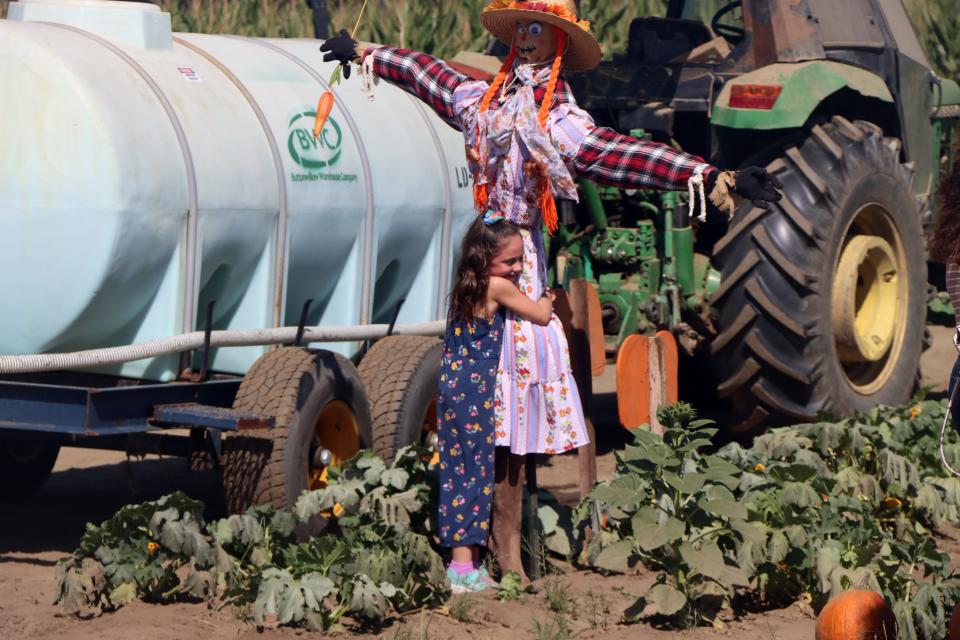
(526, 140)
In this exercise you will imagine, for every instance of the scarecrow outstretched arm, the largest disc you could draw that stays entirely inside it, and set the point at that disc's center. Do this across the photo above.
(613, 159)
(426, 77)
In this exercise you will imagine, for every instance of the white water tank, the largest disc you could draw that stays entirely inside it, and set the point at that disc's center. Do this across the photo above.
(144, 173)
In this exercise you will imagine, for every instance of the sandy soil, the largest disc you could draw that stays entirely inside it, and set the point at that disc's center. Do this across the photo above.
(91, 485)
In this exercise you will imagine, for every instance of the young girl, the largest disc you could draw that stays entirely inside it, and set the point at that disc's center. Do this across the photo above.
(485, 285)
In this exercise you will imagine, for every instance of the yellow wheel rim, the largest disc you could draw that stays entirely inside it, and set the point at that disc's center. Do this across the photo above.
(337, 431)
(428, 428)
(870, 295)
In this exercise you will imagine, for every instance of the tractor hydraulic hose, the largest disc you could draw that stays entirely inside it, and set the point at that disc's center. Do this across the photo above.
(190, 341)
(598, 216)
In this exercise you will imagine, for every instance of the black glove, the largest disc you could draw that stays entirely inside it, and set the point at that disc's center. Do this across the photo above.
(341, 48)
(759, 186)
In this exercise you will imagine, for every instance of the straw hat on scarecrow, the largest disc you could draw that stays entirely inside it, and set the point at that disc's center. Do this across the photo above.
(582, 53)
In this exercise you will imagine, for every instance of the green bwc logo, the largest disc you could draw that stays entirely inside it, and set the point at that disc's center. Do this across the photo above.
(310, 152)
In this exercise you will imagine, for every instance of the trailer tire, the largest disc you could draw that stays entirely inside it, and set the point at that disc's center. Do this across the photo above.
(821, 306)
(25, 465)
(400, 374)
(318, 401)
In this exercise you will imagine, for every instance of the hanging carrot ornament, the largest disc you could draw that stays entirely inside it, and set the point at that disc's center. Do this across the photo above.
(325, 105)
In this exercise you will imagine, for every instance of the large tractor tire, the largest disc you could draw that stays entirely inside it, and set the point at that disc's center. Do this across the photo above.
(322, 419)
(400, 375)
(821, 306)
(25, 465)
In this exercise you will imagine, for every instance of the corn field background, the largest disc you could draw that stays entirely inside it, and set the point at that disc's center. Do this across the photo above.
(419, 24)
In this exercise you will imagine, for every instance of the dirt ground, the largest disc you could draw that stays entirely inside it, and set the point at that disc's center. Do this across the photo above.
(91, 485)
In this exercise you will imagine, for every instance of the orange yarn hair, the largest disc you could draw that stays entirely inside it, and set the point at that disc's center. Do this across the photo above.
(480, 194)
(548, 205)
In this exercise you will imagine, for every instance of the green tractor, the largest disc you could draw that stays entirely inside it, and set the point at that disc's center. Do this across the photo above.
(819, 303)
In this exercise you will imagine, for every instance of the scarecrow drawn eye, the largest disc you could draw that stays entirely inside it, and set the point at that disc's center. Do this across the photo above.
(535, 28)
(521, 29)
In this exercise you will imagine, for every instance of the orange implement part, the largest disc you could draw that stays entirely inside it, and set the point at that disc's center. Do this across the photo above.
(589, 319)
(598, 355)
(633, 382)
(671, 356)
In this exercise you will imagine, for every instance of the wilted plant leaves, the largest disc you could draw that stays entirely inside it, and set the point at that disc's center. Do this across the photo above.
(707, 560)
(315, 588)
(800, 495)
(723, 508)
(619, 493)
(392, 508)
(200, 584)
(616, 557)
(511, 587)
(274, 584)
(368, 600)
(396, 478)
(123, 594)
(793, 472)
(777, 547)
(652, 529)
(663, 600)
(244, 529)
(80, 585)
(748, 530)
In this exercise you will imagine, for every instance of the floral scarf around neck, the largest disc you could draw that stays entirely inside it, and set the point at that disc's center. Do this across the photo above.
(515, 126)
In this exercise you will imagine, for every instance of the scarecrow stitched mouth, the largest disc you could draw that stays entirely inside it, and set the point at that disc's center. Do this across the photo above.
(526, 50)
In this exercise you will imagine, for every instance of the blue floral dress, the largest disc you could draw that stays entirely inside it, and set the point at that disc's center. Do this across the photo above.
(468, 378)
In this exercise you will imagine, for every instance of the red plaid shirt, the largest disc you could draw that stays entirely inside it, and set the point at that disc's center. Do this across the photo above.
(604, 156)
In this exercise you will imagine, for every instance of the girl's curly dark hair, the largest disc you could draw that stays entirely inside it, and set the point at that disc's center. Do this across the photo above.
(945, 241)
(480, 245)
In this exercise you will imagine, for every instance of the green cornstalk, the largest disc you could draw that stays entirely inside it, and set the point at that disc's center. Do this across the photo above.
(421, 25)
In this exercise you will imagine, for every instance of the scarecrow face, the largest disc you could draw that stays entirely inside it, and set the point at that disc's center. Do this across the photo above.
(535, 41)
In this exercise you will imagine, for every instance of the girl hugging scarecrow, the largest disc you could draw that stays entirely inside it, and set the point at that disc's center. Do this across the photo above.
(526, 141)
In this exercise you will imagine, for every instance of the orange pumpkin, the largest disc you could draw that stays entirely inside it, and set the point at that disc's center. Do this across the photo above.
(955, 624)
(857, 615)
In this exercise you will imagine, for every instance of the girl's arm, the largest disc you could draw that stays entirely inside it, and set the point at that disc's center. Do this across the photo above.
(505, 293)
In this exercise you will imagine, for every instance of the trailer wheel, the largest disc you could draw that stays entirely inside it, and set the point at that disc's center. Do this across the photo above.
(25, 465)
(400, 375)
(322, 418)
(822, 300)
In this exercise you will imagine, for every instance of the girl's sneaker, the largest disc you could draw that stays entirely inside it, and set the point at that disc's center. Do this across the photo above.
(470, 582)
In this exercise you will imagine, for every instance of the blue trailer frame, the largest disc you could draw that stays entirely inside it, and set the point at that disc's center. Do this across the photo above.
(116, 417)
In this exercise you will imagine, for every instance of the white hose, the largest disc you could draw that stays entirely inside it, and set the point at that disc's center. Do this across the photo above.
(190, 341)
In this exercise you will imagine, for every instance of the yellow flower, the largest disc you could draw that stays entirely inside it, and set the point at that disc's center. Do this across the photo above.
(891, 502)
(152, 547)
(456, 331)
(915, 412)
(759, 467)
(338, 510)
